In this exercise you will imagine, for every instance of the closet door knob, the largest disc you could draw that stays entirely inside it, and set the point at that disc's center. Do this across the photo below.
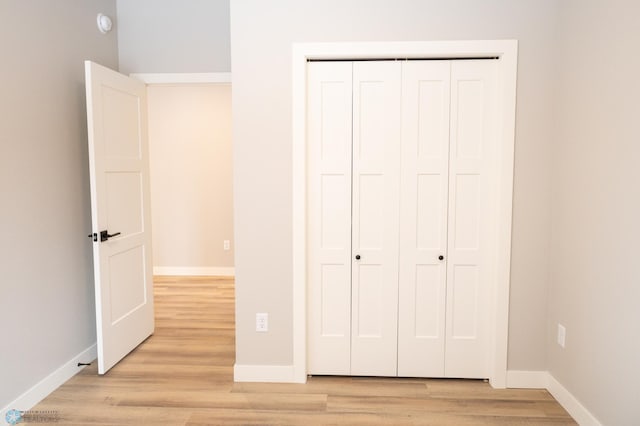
(357, 257)
(441, 257)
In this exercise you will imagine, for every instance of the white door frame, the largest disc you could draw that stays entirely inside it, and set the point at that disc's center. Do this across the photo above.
(506, 51)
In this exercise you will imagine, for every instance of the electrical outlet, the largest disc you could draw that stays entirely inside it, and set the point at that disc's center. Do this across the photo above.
(262, 322)
(227, 245)
(562, 334)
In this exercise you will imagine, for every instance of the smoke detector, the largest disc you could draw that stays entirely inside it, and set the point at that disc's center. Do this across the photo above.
(104, 23)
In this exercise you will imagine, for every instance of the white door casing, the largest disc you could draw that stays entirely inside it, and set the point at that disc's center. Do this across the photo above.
(119, 178)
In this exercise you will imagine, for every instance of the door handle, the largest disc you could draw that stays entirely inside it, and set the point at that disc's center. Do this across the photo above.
(357, 257)
(104, 235)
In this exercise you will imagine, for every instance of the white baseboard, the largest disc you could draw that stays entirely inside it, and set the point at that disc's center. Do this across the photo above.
(221, 271)
(264, 373)
(544, 380)
(44, 387)
(527, 379)
(569, 402)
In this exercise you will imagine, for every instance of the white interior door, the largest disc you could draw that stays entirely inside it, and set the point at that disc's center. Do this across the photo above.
(471, 256)
(329, 217)
(423, 218)
(119, 173)
(376, 188)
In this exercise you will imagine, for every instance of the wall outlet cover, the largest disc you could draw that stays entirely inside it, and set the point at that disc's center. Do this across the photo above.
(262, 322)
(562, 335)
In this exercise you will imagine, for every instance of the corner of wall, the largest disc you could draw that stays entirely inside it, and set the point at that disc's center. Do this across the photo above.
(517, 379)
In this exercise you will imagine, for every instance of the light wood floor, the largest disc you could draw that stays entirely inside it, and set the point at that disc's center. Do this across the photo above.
(183, 375)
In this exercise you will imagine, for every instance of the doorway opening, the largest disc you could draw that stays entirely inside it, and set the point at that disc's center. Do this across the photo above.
(190, 159)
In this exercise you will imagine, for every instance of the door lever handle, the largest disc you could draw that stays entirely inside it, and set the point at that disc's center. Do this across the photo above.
(104, 235)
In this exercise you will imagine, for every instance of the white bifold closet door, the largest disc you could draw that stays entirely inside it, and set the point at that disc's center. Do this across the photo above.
(399, 217)
(375, 217)
(353, 217)
(329, 217)
(447, 224)
(426, 90)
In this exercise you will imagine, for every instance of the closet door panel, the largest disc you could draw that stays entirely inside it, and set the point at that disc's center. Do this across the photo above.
(401, 171)
(472, 215)
(329, 217)
(376, 183)
(423, 218)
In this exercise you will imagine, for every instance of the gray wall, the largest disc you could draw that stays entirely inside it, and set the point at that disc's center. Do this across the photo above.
(47, 301)
(262, 33)
(162, 36)
(595, 280)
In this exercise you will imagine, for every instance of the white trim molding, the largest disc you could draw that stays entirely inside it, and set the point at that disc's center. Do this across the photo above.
(202, 271)
(544, 380)
(44, 387)
(570, 403)
(183, 78)
(264, 373)
(506, 51)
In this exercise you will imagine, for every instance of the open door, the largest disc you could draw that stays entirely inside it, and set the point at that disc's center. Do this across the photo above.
(120, 212)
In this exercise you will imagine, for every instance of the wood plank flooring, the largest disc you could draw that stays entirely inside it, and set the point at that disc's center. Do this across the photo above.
(183, 375)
